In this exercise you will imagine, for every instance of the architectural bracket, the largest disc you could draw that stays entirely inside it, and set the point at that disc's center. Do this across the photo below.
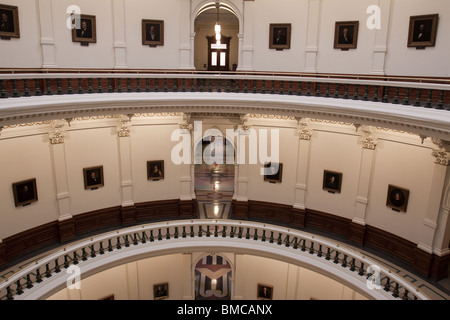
(368, 138)
(57, 132)
(442, 153)
(303, 132)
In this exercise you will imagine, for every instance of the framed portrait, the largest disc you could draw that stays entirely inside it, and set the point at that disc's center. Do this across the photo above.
(265, 292)
(93, 178)
(155, 170)
(87, 31)
(161, 291)
(280, 36)
(346, 35)
(25, 192)
(422, 31)
(152, 33)
(397, 198)
(275, 171)
(332, 181)
(9, 22)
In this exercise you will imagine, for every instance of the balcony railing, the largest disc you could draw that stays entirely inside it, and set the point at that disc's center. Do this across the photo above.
(297, 245)
(426, 93)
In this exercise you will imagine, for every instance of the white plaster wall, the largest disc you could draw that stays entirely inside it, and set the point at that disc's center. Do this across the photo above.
(23, 159)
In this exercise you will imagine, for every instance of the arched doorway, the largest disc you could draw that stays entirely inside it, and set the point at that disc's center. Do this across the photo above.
(213, 274)
(208, 56)
(214, 177)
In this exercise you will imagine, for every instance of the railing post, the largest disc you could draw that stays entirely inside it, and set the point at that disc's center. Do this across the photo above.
(440, 104)
(418, 97)
(2, 90)
(406, 101)
(395, 100)
(356, 94)
(430, 96)
(25, 88)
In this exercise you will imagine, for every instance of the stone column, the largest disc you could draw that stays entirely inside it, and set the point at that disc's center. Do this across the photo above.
(120, 45)
(65, 220)
(381, 35)
(128, 210)
(312, 35)
(246, 38)
(358, 225)
(188, 205)
(47, 37)
(185, 45)
(304, 134)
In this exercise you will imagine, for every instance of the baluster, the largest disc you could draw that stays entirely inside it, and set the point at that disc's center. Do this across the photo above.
(219, 86)
(245, 86)
(361, 269)
(175, 85)
(147, 85)
(2, 89)
(101, 250)
(386, 95)
(200, 232)
(201, 85)
(255, 236)
(210, 87)
(344, 261)
(29, 283)
(228, 86)
(224, 231)
(93, 255)
(167, 234)
(159, 234)
(236, 88)
(327, 90)
(9, 295)
(295, 246)
(247, 235)
(15, 92)
(272, 89)
(166, 88)
(319, 253)
(37, 89)
(57, 268)
(110, 248)
(308, 91)
(405, 295)
(19, 289)
(440, 104)
(119, 85)
(366, 93)
(279, 241)
(58, 84)
(430, 96)
(38, 276)
(336, 257)
(419, 95)
(80, 87)
(232, 232)
(408, 92)
(90, 90)
(254, 86)
(290, 88)
(375, 95)
(127, 243)
(395, 292)
(263, 89)
(49, 88)
(387, 285)
(192, 232)
(99, 85)
(311, 249)
(318, 89)
(271, 239)
(183, 234)
(216, 231)
(48, 273)
(183, 85)
(208, 232)
(152, 238)
(110, 88)
(281, 88)
(175, 236)
(346, 91)
(193, 85)
(138, 85)
(352, 265)
(397, 91)
(336, 91)
(356, 94)
(303, 245)
(156, 85)
(328, 254)
(287, 241)
(66, 261)
(118, 245)
(84, 255)
(240, 233)
(299, 89)
(135, 240)
(263, 238)
(75, 258)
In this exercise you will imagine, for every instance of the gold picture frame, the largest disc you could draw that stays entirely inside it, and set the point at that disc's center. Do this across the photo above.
(346, 35)
(152, 33)
(25, 192)
(280, 36)
(9, 22)
(397, 198)
(93, 178)
(87, 31)
(422, 31)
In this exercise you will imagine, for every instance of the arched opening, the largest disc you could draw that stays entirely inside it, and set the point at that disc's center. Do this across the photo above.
(208, 55)
(213, 274)
(214, 176)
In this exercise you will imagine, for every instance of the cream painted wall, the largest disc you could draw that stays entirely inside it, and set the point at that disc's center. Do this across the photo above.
(135, 280)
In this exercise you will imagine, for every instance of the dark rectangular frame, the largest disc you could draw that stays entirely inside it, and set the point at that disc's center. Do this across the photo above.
(87, 171)
(145, 40)
(432, 22)
(260, 287)
(327, 175)
(273, 28)
(93, 23)
(15, 21)
(400, 204)
(280, 173)
(160, 297)
(340, 25)
(160, 163)
(34, 195)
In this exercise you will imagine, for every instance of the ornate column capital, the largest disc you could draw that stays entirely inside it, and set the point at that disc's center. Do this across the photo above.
(442, 152)
(186, 125)
(123, 127)
(303, 132)
(57, 131)
(368, 138)
(243, 127)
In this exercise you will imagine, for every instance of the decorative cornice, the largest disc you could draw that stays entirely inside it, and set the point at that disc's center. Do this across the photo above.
(57, 132)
